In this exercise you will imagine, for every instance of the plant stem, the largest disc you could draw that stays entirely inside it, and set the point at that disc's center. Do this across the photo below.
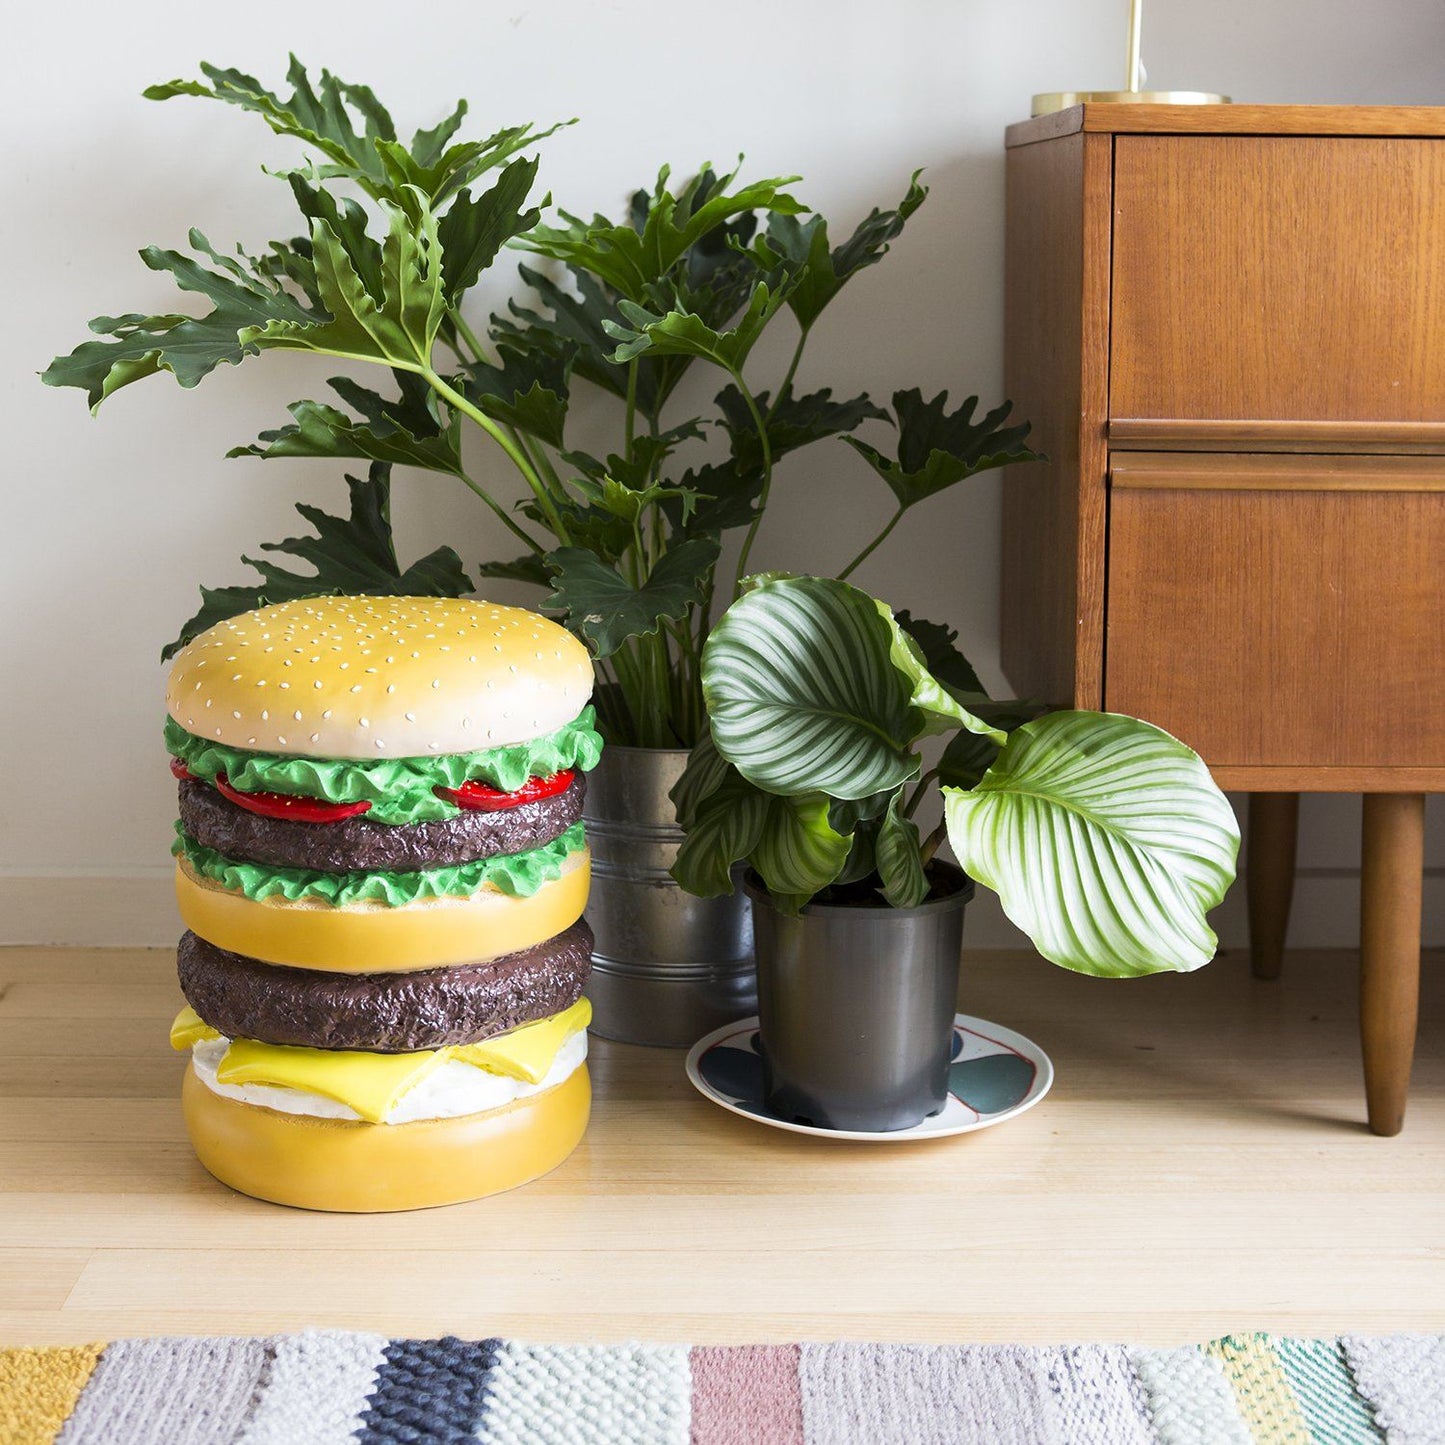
(931, 843)
(872, 546)
(630, 421)
(469, 336)
(919, 792)
(455, 399)
(767, 450)
(792, 370)
(503, 516)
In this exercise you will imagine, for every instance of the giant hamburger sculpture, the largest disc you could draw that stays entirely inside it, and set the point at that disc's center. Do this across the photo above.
(381, 866)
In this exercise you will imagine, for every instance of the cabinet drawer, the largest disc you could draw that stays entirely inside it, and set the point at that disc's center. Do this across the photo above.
(1278, 278)
(1280, 610)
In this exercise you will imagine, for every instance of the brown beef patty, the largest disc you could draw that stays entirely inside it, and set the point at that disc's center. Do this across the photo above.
(383, 1013)
(355, 844)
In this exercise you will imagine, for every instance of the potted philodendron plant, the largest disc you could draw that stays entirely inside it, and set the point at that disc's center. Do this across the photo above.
(1104, 837)
(394, 237)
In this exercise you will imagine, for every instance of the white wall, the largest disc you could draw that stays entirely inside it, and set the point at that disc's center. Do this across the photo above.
(111, 523)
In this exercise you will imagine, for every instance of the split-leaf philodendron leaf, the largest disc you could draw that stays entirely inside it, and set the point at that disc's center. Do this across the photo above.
(631, 258)
(680, 333)
(1106, 840)
(937, 448)
(347, 554)
(802, 248)
(606, 609)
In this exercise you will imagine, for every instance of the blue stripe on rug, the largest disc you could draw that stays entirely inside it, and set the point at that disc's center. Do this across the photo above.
(429, 1390)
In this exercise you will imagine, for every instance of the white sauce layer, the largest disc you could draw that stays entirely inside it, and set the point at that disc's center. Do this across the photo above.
(447, 1093)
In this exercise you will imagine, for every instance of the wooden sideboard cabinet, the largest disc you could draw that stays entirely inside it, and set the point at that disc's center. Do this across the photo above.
(1227, 324)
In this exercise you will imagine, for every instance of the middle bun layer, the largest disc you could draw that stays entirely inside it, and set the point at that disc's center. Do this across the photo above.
(385, 1013)
(355, 844)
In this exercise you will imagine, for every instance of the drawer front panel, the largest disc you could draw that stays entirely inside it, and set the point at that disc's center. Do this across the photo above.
(1278, 278)
(1279, 624)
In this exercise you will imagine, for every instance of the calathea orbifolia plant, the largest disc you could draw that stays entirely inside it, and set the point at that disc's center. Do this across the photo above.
(1105, 838)
(395, 236)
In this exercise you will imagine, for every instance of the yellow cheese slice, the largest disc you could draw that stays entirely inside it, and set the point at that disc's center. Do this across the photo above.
(373, 1084)
(190, 1028)
(369, 1083)
(527, 1053)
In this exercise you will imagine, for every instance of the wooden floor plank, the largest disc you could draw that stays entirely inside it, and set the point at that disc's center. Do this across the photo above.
(1201, 1167)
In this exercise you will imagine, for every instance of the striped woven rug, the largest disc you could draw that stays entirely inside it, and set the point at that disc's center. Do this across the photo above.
(320, 1388)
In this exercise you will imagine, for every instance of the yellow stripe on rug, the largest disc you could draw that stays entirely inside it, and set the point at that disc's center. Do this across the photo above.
(1261, 1389)
(38, 1390)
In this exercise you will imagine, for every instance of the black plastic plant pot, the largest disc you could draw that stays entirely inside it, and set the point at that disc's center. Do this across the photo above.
(856, 1005)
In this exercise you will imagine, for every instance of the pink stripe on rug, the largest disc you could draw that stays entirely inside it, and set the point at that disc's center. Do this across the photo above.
(746, 1395)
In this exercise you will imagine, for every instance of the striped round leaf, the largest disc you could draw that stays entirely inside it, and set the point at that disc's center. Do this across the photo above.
(1105, 838)
(799, 852)
(900, 858)
(790, 841)
(722, 832)
(943, 713)
(802, 693)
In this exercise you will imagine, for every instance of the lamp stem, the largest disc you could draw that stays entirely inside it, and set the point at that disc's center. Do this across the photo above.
(1136, 22)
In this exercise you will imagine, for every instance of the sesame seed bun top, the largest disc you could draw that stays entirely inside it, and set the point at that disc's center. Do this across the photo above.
(379, 677)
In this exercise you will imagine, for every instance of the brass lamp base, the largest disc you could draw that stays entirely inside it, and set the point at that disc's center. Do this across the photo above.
(1051, 100)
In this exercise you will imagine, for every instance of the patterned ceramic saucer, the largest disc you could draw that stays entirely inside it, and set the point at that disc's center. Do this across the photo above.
(995, 1074)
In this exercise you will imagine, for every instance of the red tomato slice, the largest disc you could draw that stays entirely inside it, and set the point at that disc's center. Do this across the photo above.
(287, 808)
(182, 771)
(480, 797)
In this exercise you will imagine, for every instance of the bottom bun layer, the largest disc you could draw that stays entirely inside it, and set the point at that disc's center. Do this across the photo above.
(357, 1168)
(376, 938)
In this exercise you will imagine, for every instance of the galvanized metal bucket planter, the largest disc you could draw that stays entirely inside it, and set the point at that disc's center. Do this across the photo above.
(666, 967)
(856, 1007)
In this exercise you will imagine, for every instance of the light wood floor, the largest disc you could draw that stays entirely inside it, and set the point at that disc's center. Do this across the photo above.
(1200, 1168)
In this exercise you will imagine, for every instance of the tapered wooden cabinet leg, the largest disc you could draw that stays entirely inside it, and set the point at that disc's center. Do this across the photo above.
(1269, 882)
(1390, 888)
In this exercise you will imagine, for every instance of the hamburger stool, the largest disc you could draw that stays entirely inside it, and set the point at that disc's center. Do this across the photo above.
(381, 866)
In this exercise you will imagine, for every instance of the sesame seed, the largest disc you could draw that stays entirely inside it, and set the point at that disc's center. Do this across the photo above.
(235, 714)
(356, 687)
(327, 713)
(296, 714)
(365, 722)
(411, 717)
